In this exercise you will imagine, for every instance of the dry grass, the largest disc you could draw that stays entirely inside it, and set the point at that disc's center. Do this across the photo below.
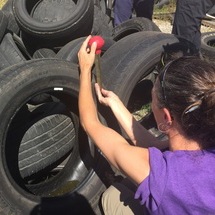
(169, 8)
(2, 2)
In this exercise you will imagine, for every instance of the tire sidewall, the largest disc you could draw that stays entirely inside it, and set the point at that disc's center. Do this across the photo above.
(206, 49)
(42, 74)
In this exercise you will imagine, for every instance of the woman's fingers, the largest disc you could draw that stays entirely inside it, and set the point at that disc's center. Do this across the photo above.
(84, 45)
(98, 91)
(93, 47)
(86, 55)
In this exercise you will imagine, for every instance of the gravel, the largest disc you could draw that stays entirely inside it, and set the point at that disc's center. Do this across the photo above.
(166, 26)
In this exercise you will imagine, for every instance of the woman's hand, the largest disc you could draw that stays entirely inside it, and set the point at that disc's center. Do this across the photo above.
(106, 97)
(86, 56)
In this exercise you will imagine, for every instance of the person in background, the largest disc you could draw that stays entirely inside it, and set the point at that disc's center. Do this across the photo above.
(179, 180)
(188, 18)
(123, 9)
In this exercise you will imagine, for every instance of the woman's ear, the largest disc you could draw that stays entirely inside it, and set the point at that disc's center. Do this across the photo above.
(167, 115)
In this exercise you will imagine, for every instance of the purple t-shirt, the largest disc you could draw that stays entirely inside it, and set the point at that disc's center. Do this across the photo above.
(180, 182)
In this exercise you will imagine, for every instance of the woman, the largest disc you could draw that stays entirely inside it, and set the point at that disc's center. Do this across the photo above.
(177, 181)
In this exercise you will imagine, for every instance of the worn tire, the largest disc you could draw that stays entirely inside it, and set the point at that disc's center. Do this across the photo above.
(40, 148)
(208, 45)
(44, 53)
(10, 54)
(12, 25)
(134, 25)
(53, 23)
(80, 180)
(101, 23)
(69, 52)
(130, 63)
(3, 24)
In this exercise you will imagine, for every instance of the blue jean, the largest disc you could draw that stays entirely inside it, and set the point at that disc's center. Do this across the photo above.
(123, 9)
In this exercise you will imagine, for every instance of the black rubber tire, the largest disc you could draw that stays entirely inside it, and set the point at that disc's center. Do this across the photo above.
(101, 23)
(56, 22)
(3, 24)
(44, 53)
(10, 54)
(136, 24)
(39, 148)
(107, 10)
(208, 45)
(21, 46)
(12, 25)
(69, 52)
(80, 180)
(131, 62)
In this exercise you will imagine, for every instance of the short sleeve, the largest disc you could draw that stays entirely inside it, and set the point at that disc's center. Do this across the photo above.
(151, 189)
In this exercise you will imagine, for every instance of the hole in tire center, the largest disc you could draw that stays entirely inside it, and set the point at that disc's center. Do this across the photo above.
(39, 178)
(140, 106)
(50, 11)
(140, 100)
(211, 43)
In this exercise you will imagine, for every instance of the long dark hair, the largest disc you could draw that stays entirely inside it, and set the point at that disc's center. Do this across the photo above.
(187, 89)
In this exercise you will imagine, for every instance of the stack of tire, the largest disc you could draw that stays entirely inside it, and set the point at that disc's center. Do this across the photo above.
(48, 165)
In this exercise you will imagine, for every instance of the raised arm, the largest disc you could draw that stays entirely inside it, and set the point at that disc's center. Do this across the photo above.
(135, 131)
(133, 161)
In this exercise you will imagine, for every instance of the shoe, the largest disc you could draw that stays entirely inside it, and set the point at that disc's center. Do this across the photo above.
(211, 13)
(161, 3)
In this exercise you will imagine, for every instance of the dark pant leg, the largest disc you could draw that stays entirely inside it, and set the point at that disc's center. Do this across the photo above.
(144, 8)
(188, 18)
(122, 11)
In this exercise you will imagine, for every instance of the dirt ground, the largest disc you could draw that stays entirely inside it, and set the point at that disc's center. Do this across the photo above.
(166, 26)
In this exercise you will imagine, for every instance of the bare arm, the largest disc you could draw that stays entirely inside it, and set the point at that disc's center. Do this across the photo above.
(133, 161)
(135, 131)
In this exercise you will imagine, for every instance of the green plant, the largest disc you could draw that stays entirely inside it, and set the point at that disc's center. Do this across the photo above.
(144, 110)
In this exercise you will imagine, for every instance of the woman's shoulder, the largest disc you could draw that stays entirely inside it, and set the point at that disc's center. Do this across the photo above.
(181, 159)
